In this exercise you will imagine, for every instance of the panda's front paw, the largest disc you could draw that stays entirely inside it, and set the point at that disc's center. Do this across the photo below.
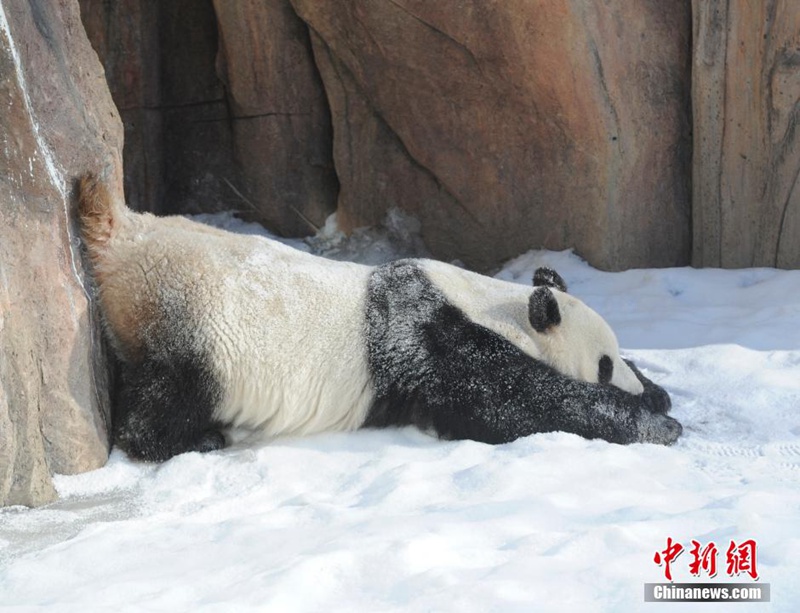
(658, 429)
(656, 399)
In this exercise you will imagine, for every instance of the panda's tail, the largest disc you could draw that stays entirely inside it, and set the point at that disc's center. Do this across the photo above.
(101, 216)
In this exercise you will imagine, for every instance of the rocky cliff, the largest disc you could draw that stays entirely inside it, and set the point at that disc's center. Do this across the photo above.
(639, 133)
(502, 127)
(746, 101)
(57, 120)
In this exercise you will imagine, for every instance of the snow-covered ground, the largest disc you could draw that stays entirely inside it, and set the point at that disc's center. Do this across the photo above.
(398, 521)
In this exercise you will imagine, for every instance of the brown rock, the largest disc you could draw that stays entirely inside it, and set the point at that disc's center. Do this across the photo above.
(507, 126)
(278, 113)
(57, 121)
(221, 110)
(124, 33)
(159, 61)
(746, 86)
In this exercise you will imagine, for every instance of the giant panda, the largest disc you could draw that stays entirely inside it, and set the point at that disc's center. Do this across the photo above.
(215, 330)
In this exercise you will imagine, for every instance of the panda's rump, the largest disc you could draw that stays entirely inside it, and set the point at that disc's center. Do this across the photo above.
(149, 290)
(282, 330)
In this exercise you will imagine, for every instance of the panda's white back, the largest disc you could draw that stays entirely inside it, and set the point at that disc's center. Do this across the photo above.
(291, 351)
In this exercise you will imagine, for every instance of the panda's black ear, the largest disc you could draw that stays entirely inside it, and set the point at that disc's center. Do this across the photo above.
(548, 277)
(543, 310)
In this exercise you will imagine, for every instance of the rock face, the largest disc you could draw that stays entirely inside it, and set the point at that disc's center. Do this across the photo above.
(222, 110)
(502, 126)
(57, 121)
(506, 126)
(278, 114)
(746, 88)
(159, 61)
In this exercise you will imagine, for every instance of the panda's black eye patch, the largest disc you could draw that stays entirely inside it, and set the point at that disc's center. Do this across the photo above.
(605, 369)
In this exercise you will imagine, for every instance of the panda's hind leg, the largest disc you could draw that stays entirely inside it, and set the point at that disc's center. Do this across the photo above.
(165, 408)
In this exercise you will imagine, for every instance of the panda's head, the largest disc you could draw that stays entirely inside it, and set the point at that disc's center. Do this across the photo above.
(574, 339)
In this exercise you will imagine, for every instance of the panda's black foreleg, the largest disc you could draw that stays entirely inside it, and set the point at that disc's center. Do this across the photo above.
(166, 408)
(500, 409)
(604, 411)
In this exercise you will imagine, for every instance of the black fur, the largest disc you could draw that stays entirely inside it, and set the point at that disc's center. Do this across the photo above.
(549, 278)
(543, 310)
(434, 368)
(166, 407)
(605, 369)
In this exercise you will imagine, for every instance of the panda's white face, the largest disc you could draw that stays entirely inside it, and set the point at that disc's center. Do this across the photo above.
(577, 342)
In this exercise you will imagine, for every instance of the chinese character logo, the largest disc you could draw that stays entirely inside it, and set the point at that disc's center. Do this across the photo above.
(703, 560)
(742, 559)
(739, 558)
(668, 556)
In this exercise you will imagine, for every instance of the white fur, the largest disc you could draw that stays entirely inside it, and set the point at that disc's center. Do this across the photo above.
(292, 353)
(573, 347)
(284, 328)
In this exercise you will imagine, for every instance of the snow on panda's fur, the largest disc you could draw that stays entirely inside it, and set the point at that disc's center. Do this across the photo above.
(217, 330)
